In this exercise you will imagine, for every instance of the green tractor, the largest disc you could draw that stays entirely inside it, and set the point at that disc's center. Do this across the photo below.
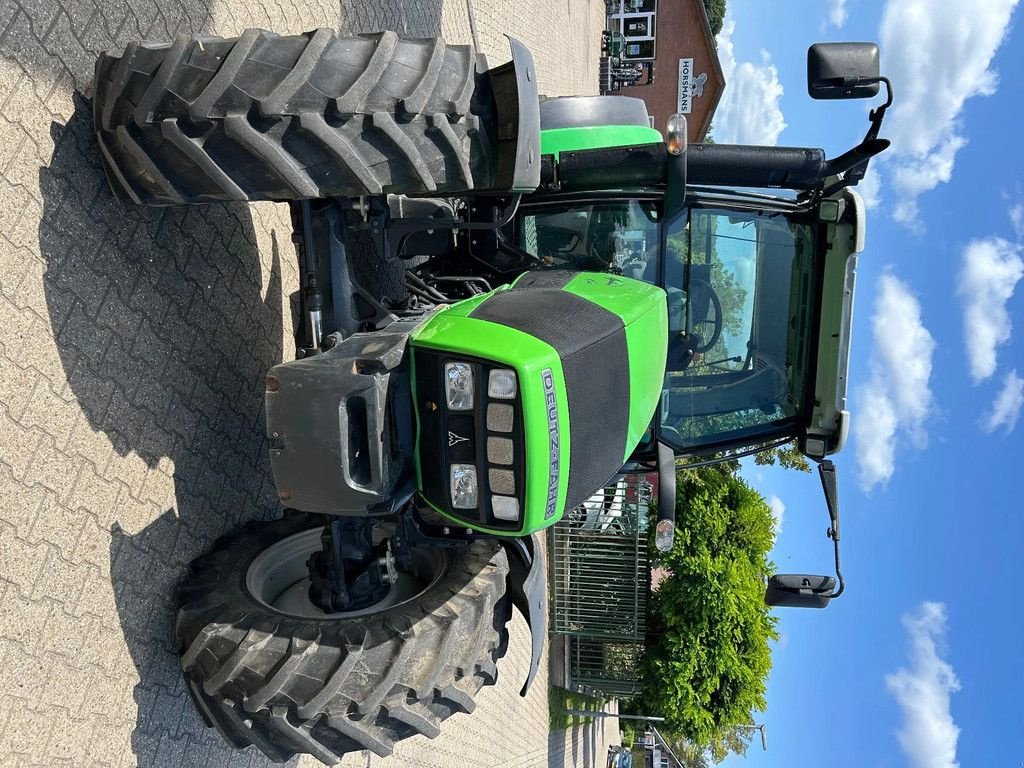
(503, 300)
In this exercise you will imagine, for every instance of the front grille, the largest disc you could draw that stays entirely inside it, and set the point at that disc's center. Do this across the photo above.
(499, 451)
(490, 437)
(502, 482)
(499, 417)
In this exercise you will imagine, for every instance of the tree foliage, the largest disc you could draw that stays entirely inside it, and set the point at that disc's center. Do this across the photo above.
(733, 741)
(730, 741)
(716, 14)
(787, 456)
(708, 653)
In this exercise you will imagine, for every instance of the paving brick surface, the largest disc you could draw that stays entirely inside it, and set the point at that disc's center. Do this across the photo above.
(133, 344)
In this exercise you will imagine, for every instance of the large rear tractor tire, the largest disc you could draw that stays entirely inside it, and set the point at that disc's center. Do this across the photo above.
(270, 117)
(268, 668)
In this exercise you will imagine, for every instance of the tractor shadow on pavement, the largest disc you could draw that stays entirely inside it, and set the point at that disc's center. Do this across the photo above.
(168, 322)
(576, 747)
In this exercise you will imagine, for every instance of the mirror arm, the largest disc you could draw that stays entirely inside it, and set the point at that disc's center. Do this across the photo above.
(878, 113)
(854, 160)
(827, 473)
(839, 573)
(853, 165)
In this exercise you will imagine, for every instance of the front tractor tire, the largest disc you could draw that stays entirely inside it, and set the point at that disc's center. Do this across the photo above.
(271, 117)
(267, 668)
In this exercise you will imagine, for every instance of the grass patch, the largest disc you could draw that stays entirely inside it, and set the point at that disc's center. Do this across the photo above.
(628, 733)
(561, 700)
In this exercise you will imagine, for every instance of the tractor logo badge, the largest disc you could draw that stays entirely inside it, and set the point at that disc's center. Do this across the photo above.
(454, 439)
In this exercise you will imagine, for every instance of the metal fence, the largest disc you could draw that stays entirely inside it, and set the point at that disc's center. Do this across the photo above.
(600, 573)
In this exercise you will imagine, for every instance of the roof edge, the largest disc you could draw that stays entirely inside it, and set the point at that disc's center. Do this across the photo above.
(716, 65)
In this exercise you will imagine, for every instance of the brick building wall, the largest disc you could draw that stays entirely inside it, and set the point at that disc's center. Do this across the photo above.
(682, 33)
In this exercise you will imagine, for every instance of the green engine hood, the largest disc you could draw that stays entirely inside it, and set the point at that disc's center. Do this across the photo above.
(588, 350)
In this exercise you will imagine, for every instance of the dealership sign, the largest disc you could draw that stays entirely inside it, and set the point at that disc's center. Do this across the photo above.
(690, 87)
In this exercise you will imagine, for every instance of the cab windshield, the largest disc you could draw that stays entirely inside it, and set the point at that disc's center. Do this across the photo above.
(739, 290)
(739, 287)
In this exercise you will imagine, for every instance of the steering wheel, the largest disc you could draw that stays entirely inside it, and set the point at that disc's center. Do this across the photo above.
(600, 249)
(703, 289)
(556, 240)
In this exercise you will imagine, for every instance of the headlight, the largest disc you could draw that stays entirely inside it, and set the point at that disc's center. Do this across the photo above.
(501, 384)
(463, 483)
(458, 386)
(505, 507)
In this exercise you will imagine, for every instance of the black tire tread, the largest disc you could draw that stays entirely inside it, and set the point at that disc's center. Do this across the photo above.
(289, 686)
(270, 117)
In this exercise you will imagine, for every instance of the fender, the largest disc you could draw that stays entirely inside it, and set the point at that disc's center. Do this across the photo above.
(514, 86)
(527, 584)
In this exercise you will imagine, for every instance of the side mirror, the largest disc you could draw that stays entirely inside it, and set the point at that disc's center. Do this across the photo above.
(799, 590)
(842, 70)
(802, 590)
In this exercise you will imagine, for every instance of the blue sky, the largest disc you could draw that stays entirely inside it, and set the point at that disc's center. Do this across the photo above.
(919, 663)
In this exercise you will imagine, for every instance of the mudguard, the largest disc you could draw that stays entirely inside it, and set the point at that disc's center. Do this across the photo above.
(528, 587)
(514, 86)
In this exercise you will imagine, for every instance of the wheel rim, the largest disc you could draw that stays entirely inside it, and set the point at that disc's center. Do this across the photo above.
(279, 578)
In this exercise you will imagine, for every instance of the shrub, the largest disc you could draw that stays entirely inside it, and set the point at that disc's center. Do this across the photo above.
(708, 654)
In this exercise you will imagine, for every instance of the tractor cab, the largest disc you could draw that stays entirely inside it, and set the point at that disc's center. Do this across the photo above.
(756, 249)
(744, 276)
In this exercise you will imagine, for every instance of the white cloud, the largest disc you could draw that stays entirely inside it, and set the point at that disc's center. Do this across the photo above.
(990, 272)
(895, 402)
(928, 735)
(936, 59)
(778, 512)
(837, 13)
(749, 111)
(874, 428)
(1016, 214)
(1006, 407)
(870, 188)
(913, 176)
